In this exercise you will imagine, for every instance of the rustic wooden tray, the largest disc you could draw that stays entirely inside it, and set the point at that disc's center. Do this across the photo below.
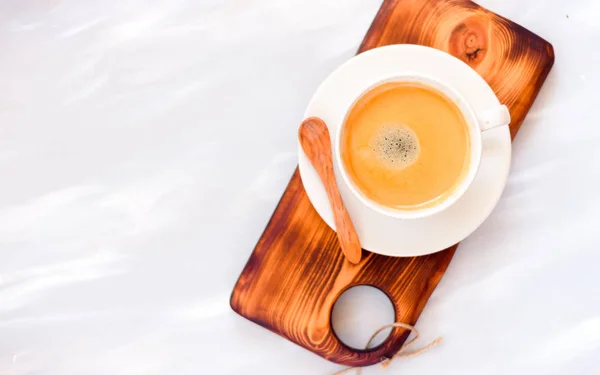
(297, 270)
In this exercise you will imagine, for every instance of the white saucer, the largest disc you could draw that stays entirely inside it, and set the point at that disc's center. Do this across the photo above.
(410, 237)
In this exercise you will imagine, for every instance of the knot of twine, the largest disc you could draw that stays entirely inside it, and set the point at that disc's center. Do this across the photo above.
(402, 353)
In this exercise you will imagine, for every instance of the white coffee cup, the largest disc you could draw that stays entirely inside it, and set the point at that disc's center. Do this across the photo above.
(490, 119)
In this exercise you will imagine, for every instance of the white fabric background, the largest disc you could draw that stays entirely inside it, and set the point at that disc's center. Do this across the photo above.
(145, 144)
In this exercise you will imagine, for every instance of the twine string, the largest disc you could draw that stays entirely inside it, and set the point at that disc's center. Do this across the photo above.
(402, 353)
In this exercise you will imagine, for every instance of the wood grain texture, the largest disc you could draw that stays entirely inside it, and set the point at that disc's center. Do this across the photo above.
(315, 140)
(514, 61)
(297, 271)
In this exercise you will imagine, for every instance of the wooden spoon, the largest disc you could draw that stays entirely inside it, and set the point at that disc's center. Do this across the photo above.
(316, 143)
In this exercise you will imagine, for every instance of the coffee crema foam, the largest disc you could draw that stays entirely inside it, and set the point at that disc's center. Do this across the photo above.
(395, 146)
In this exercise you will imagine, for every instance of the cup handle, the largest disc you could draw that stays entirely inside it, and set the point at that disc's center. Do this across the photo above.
(494, 117)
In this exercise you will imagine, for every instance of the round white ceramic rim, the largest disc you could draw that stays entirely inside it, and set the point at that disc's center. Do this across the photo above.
(430, 207)
(385, 234)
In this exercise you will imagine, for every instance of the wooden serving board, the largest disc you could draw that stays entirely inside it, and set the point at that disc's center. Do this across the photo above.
(297, 270)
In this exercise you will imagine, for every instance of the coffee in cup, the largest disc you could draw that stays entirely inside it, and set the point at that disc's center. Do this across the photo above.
(405, 145)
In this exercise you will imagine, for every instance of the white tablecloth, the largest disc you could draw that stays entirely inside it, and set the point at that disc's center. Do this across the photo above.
(145, 144)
